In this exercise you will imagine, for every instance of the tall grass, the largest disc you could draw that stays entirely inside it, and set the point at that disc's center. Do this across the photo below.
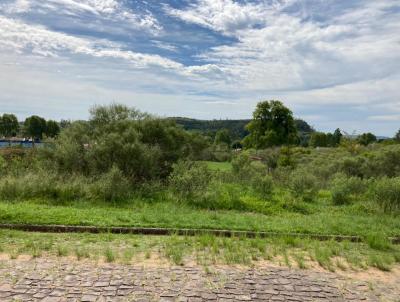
(387, 193)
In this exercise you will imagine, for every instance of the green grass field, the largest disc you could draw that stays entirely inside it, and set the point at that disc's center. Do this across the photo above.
(219, 166)
(323, 219)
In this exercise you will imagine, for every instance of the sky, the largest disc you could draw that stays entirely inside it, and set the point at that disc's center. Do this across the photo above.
(334, 63)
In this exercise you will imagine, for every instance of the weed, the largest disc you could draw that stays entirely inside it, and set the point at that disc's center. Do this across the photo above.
(378, 241)
(109, 255)
(81, 252)
(299, 258)
(381, 262)
(128, 255)
(323, 257)
(174, 250)
(62, 250)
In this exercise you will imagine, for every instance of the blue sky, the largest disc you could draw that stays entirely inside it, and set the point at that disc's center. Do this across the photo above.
(334, 63)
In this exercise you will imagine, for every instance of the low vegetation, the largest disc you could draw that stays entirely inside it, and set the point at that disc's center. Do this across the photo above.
(205, 250)
(127, 168)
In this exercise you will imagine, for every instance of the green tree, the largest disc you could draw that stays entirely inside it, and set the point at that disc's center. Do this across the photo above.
(222, 137)
(337, 137)
(319, 139)
(272, 125)
(35, 127)
(52, 129)
(366, 139)
(9, 125)
(302, 126)
(397, 136)
(65, 124)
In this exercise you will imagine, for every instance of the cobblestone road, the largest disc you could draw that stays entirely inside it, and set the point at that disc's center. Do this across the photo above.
(55, 280)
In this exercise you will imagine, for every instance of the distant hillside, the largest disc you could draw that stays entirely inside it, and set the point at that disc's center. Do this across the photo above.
(235, 127)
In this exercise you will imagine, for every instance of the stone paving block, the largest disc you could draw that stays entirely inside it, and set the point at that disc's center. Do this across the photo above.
(52, 280)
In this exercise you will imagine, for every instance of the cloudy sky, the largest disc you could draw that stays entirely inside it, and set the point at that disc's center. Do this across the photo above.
(334, 63)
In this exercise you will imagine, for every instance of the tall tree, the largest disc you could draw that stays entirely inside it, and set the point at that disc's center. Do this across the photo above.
(52, 129)
(337, 137)
(9, 125)
(35, 127)
(272, 125)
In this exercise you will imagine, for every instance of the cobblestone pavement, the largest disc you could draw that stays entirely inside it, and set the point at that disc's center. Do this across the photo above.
(56, 280)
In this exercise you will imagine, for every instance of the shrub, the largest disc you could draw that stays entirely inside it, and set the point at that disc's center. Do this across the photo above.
(221, 196)
(189, 180)
(240, 162)
(385, 163)
(286, 157)
(282, 175)
(303, 184)
(271, 157)
(386, 193)
(111, 186)
(142, 147)
(9, 188)
(352, 166)
(244, 168)
(343, 188)
(263, 185)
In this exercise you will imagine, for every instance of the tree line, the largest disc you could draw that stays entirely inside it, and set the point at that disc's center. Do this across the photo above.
(34, 127)
(272, 125)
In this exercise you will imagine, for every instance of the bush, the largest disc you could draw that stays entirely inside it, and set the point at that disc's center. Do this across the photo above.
(112, 186)
(263, 185)
(142, 147)
(221, 196)
(303, 185)
(240, 162)
(30, 185)
(352, 166)
(281, 175)
(386, 193)
(189, 180)
(244, 168)
(343, 188)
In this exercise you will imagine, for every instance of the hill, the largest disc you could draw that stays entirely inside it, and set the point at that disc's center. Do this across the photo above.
(235, 127)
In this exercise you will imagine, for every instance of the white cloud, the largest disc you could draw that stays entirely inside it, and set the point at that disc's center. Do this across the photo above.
(106, 10)
(19, 6)
(24, 38)
(21, 37)
(280, 51)
(346, 58)
(166, 46)
(228, 16)
(384, 118)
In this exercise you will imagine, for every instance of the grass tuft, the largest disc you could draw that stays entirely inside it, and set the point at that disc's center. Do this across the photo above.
(109, 255)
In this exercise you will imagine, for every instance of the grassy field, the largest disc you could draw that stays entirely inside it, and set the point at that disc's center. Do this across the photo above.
(203, 250)
(219, 166)
(323, 219)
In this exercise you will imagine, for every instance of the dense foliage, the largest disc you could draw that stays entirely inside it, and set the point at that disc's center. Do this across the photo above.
(9, 125)
(272, 125)
(140, 146)
(121, 153)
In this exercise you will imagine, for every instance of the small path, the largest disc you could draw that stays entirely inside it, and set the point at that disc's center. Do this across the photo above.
(61, 280)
